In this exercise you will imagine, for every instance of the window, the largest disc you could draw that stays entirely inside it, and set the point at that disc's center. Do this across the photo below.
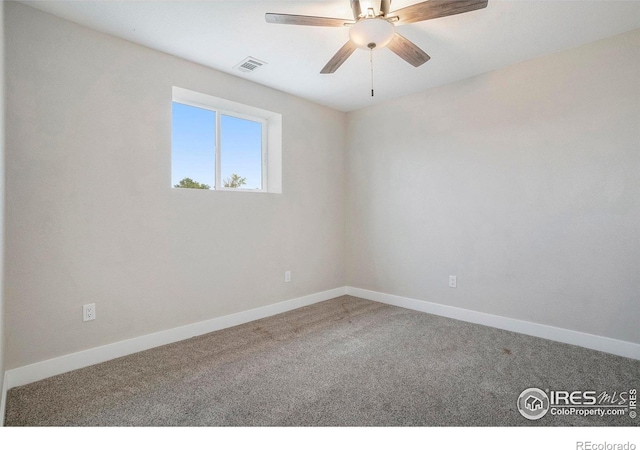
(223, 145)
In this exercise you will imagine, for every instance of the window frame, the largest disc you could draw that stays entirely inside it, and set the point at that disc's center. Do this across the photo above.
(271, 142)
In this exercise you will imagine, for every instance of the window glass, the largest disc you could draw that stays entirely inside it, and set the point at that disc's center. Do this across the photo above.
(218, 144)
(193, 141)
(240, 153)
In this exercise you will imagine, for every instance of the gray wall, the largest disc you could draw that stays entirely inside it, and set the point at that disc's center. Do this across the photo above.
(91, 216)
(524, 182)
(2, 224)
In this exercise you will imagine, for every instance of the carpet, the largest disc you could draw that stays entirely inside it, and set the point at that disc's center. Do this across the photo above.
(342, 362)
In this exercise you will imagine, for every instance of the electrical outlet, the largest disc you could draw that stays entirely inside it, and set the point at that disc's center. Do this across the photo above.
(452, 281)
(89, 312)
(287, 276)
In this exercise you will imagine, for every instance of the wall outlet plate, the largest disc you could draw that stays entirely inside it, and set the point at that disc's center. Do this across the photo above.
(88, 312)
(287, 276)
(453, 282)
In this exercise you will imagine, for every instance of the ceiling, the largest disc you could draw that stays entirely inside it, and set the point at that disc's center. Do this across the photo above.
(220, 34)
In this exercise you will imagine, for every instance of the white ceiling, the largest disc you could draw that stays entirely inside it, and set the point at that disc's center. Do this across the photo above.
(220, 34)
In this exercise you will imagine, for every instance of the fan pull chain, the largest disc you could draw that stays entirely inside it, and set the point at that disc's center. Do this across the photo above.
(371, 61)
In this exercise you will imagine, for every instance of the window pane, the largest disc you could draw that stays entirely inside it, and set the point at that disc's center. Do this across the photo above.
(241, 153)
(193, 142)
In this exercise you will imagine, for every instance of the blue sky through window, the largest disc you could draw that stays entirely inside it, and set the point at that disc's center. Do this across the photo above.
(241, 142)
(193, 141)
(193, 147)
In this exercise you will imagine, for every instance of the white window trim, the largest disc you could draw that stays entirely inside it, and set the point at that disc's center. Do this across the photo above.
(271, 135)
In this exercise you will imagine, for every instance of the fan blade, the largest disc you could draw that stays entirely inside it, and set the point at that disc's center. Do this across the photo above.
(407, 50)
(357, 10)
(340, 57)
(290, 19)
(384, 7)
(433, 9)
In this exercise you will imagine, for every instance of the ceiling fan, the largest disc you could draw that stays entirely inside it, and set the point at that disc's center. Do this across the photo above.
(373, 26)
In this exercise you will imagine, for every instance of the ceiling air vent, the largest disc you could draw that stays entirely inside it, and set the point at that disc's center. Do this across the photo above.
(249, 64)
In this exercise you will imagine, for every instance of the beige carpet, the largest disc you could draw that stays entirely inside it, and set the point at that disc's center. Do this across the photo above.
(346, 361)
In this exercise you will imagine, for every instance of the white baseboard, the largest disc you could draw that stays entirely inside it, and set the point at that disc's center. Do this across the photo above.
(41, 370)
(603, 344)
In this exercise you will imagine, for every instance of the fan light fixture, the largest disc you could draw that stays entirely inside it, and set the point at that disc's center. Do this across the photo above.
(373, 26)
(371, 33)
